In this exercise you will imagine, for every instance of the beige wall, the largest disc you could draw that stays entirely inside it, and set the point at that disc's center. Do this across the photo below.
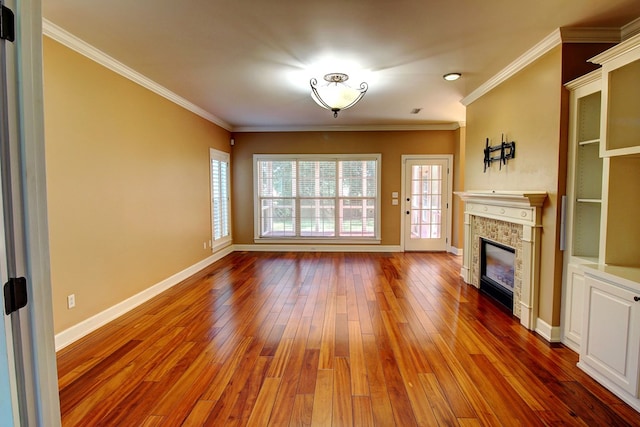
(392, 145)
(528, 109)
(127, 183)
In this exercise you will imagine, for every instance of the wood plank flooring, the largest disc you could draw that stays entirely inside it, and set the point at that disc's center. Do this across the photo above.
(327, 339)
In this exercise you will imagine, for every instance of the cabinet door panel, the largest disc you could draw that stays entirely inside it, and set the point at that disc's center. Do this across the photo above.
(574, 304)
(611, 337)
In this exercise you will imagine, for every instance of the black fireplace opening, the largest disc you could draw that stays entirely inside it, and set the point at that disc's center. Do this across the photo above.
(497, 271)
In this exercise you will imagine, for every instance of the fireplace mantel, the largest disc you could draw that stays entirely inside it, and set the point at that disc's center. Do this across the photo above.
(511, 206)
(523, 208)
(509, 198)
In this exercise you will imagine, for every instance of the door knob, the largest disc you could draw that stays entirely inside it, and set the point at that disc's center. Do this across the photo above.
(408, 212)
(636, 299)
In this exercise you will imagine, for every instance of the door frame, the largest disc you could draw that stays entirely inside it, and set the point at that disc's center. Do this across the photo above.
(449, 195)
(35, 371)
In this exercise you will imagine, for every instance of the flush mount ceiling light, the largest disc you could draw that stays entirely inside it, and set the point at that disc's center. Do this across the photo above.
(335, 95)
(451, 76)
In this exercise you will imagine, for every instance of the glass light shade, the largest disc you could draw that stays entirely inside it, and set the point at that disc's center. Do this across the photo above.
(335, 95)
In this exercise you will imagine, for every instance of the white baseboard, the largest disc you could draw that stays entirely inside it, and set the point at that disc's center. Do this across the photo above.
(550, 333)
(454, 250)
(263, 247)
(89, 325)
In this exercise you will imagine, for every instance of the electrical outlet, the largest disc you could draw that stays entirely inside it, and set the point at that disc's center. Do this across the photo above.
(71, 301)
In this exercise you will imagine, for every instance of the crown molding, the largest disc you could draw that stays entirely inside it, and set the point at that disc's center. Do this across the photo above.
(557, 37)
(627, 45)
(590, 35)
(552, 40)
(62, 36)
(350, 128)
(594, 76)
(631, 29)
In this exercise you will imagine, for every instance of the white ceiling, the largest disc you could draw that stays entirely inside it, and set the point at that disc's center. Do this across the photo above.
(248, 63)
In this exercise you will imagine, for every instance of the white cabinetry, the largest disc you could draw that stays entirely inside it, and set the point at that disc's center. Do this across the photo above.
(610, 349)
(584, 200)
(573, 307)
(620, 129)
(609, 339)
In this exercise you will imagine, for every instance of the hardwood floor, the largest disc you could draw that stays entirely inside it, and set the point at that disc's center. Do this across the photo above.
(327, 339)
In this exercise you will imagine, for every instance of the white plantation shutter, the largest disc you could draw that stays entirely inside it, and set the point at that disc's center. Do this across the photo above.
(224, 196)
(220, 202)
(313, 197)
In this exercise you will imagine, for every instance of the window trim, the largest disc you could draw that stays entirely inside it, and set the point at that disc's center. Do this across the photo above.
(225, 157)
(376, 239)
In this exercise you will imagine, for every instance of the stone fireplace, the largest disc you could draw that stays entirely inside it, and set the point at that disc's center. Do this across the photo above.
(512, 219)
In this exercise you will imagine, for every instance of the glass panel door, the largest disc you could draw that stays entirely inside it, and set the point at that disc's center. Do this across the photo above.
(426, 192)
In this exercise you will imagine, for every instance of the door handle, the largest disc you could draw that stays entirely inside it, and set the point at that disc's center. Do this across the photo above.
(408, 212)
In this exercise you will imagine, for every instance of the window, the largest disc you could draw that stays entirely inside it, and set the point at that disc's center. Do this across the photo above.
(220, 215)
(316, 197)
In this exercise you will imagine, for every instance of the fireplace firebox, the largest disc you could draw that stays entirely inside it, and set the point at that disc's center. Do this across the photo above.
(497, 271)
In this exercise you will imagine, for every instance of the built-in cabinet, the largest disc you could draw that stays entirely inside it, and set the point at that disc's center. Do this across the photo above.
(583, 204)
(602, 257)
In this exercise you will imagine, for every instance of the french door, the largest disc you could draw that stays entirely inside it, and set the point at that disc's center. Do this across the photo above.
(426, 198)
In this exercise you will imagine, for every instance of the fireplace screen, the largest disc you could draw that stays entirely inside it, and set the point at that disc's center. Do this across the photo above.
(498, 271)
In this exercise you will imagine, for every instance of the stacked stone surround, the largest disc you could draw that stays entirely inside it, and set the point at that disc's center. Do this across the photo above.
(506, 233)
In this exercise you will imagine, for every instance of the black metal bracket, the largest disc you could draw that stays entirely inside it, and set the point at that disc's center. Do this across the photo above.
(507, 151)
(15, 294)
(7, 24)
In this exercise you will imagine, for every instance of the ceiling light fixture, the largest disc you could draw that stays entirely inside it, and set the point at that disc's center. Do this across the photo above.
(336, 95)
(451, 76)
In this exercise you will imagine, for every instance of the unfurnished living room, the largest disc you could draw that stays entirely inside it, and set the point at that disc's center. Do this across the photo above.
(354, 213)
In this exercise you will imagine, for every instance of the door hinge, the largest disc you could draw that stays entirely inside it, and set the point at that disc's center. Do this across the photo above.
(15, 294)
(7, 25)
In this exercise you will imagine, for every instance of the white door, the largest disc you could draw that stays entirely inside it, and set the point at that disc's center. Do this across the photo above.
(28, 377)
(426, 203)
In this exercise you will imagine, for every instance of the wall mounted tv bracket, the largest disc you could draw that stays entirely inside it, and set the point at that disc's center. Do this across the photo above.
(507, 151)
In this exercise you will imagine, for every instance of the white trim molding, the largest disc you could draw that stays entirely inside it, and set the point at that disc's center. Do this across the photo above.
(631, 29)
(550, 333)
(590, 35)
(556, 38)
(455, 251)
(89, 325)
(62, 36)
(545, 45)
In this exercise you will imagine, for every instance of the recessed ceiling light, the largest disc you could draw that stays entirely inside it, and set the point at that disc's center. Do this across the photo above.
(452, 76)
